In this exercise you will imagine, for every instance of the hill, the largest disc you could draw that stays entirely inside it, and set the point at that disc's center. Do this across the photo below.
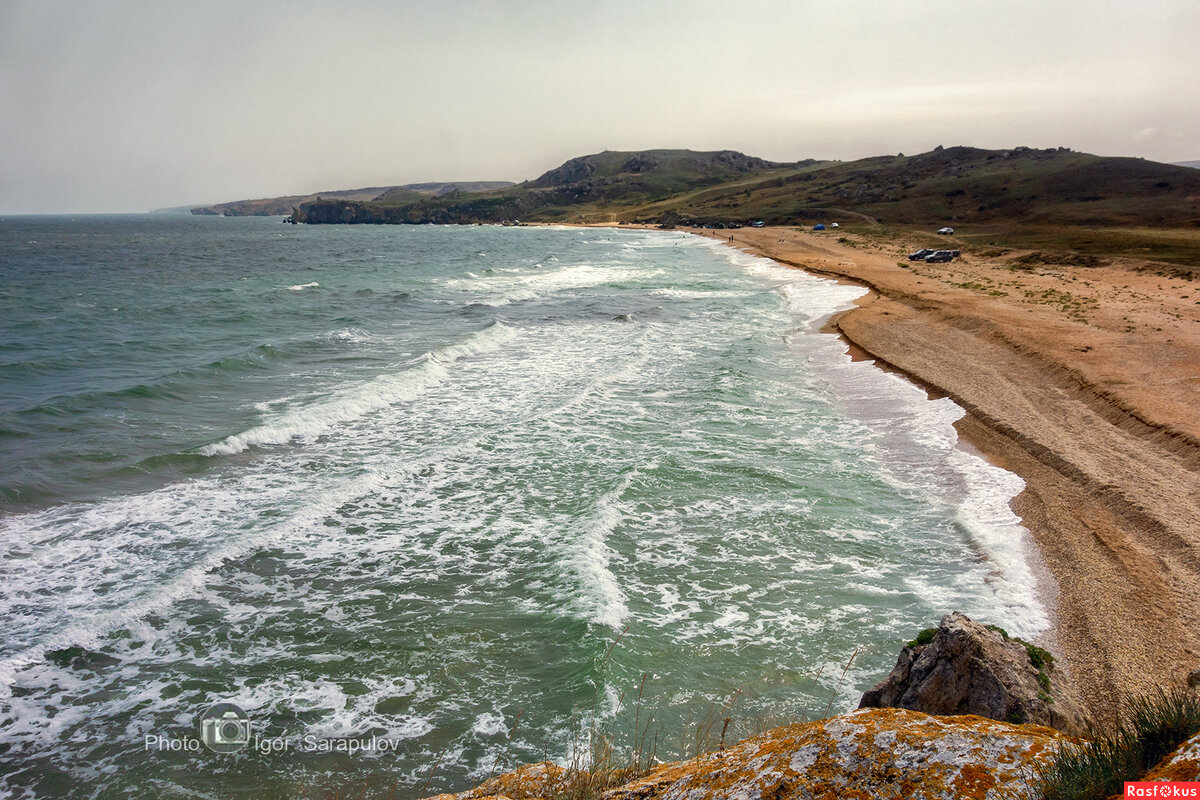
(963, 184)
(597, 185)
(282, 206)
(403, 193)
(946, 185)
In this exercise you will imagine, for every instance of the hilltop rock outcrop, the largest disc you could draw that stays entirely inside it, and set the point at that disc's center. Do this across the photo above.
(962, 667)
(876, 753)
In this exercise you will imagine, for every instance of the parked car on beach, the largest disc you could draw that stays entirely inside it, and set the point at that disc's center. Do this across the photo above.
(946, 231)
(920, 254)
(942, 256)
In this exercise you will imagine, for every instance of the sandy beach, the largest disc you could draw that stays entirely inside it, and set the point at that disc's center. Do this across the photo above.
(1083, 380)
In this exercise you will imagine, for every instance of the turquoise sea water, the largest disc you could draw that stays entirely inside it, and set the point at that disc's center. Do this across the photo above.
(413, 483)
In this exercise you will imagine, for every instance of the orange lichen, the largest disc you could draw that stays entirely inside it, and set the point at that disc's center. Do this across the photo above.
(874, 754)
(1182, 765)
(530, 782)
(974, 781)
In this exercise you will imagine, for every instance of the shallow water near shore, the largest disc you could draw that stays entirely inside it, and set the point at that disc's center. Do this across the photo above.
(412, 483)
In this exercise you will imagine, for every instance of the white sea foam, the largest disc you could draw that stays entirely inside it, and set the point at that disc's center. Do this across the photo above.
(320, 416)
(502, 289)
(489, 724)
(900, 415)
(92, 569)
(993, 527)
(701, 294)
(596, 591)
(300, 287)
(350, 336)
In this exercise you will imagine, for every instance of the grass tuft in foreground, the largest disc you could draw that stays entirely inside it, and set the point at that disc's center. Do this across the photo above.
(1150, 729)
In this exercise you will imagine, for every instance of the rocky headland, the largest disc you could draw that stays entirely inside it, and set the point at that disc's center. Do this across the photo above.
(963, 667)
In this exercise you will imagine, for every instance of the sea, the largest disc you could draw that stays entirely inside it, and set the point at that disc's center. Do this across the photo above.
(404, 507)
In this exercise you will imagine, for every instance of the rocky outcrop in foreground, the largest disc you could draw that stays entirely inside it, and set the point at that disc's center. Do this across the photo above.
(962, 667)
(950, 721)
(876, 753)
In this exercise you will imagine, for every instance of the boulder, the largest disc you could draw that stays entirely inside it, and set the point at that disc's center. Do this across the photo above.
(884, 754)
(962, 667)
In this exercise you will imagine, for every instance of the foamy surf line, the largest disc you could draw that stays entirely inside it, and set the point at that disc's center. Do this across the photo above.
(600, 598)
(38, 537)
(89, 632)
(504, 286)
(984, 512)
(356, 401)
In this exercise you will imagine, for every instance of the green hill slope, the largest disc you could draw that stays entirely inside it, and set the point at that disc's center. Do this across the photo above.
(962, 184)
(599, 184)
(946, 185)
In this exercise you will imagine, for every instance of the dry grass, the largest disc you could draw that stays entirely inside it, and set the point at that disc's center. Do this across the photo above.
(1150, 728)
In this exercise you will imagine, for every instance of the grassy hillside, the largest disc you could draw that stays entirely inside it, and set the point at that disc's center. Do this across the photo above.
(594, 186)
(960, 184)
(945, 186)
(416, 191)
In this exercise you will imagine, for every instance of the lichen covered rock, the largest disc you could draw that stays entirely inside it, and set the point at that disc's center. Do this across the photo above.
(879, 754)
(967, 668)
(1182, 765)
(530, 782)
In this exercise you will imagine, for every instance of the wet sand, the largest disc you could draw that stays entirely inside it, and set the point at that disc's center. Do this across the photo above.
(1085, 381)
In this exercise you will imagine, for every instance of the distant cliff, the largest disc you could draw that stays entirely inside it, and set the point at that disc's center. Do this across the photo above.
(282, 206)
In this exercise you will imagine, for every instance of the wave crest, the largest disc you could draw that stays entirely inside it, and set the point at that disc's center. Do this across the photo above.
(354, 402)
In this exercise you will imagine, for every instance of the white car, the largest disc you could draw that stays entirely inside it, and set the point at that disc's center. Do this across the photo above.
(946, 231)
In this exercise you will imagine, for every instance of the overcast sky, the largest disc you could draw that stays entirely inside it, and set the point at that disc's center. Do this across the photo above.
(113, 105)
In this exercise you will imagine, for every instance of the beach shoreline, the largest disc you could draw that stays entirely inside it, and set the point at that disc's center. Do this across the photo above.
(1088, 400)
